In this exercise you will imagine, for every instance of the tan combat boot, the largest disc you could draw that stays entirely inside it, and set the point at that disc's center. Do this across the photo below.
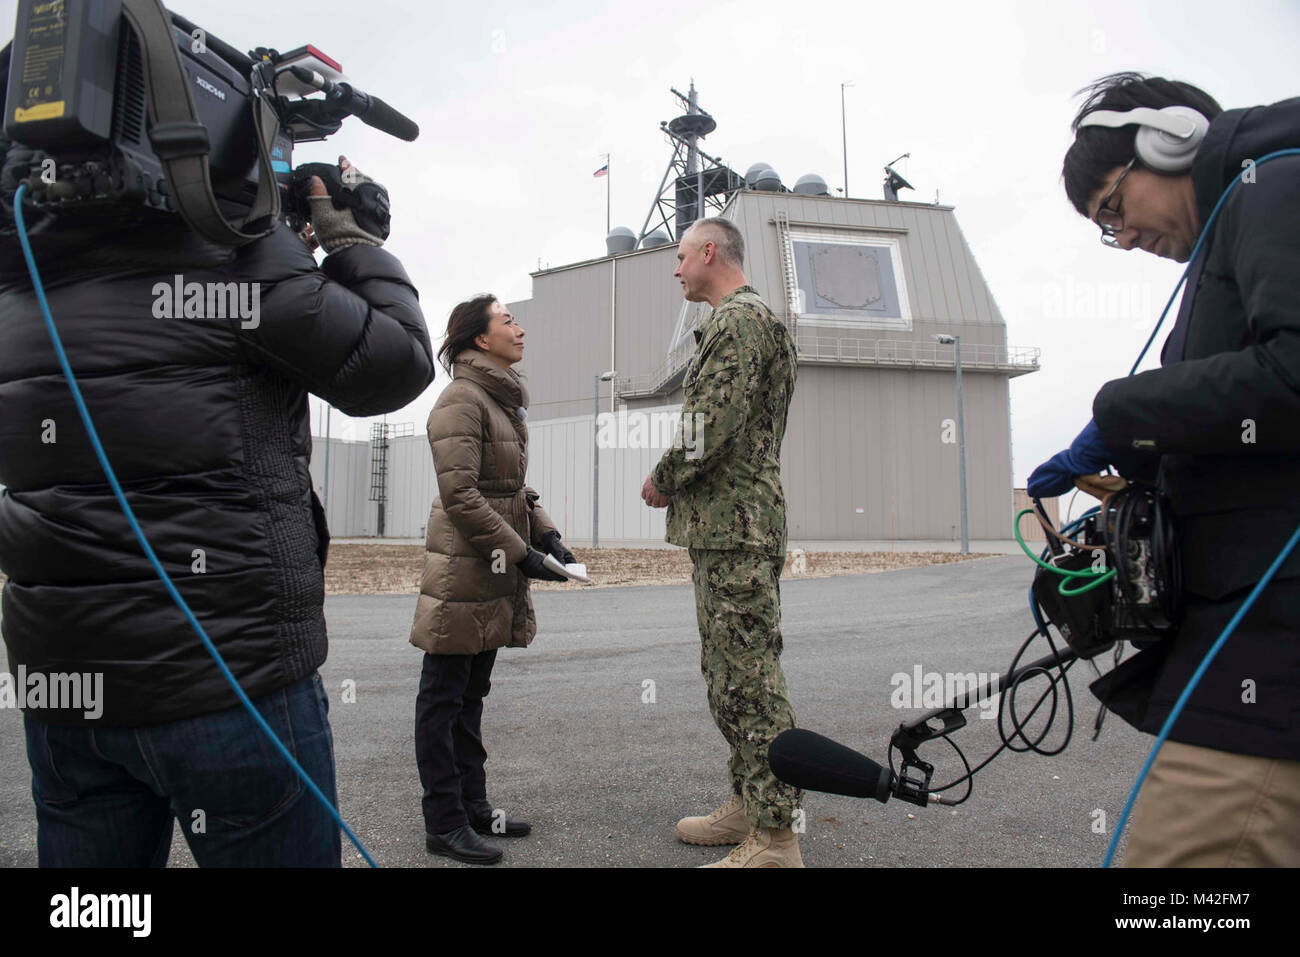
(726, 825)
(765, 847)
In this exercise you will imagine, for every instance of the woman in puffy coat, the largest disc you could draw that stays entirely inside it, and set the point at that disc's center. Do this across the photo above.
(482, 547)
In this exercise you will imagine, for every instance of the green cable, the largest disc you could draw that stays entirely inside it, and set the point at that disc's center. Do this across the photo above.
(1101, 580)
(1066, 573)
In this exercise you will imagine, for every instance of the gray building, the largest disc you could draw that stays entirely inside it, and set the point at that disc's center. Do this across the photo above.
(871, 446)
(871, 449)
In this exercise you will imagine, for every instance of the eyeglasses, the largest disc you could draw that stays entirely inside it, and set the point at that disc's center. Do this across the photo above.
(1110, 220)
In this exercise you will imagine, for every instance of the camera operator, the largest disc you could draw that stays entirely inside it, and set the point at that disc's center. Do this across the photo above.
(1218, 428)
(205, 420)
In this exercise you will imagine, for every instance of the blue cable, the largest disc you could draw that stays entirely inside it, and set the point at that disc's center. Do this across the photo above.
(1191, 685)
(139, 533)
(1259, 587)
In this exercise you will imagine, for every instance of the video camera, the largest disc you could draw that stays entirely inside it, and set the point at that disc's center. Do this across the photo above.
(139, 112)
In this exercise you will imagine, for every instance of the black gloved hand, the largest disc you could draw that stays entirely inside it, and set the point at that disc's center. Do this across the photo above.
(534, 566)
(556, 547)
(354, 208)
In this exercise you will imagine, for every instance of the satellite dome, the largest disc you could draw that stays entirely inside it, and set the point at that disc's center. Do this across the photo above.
(620, 240)
(768, 180)
(751, 174)
(657, 238)
(811, 184)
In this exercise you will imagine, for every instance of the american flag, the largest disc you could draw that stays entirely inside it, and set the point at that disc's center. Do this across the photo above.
(603, 171)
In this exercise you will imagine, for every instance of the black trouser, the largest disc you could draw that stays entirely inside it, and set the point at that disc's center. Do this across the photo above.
(448, 738)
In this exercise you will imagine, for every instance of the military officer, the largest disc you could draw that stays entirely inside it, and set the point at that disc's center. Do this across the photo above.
(721, 483)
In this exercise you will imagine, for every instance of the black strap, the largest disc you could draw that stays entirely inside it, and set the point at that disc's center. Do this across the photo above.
(181, 141)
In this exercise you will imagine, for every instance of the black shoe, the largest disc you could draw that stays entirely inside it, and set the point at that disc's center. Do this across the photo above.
(463, 845)
(481, 819)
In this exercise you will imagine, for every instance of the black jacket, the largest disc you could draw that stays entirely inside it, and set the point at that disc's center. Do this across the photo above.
(205, 421)
(1222, 421)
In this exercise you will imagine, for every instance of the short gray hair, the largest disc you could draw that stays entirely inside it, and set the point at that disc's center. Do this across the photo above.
(725, 237)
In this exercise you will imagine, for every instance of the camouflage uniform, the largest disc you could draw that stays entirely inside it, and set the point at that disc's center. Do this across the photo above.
(728, 509)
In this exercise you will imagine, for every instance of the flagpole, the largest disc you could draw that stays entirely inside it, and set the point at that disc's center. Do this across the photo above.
(607, 189)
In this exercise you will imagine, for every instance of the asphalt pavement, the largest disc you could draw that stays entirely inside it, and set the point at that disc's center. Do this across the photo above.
(603, 769)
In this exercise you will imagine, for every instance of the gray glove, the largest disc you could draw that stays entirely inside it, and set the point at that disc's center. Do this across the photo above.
(354, 209)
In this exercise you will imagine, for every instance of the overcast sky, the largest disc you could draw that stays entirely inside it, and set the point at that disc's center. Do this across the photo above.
(517, 101)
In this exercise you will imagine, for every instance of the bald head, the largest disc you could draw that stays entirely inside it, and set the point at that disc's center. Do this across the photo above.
(724, 235)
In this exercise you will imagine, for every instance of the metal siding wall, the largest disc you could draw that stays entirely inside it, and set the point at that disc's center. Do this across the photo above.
(567, 339)
(412, 486)
(872, 438)
(855, 437)
(649, 302)
(347, 511)
(559, 468)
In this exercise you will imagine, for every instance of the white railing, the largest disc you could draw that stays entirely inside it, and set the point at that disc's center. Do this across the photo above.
(917, 353)
(651, 382)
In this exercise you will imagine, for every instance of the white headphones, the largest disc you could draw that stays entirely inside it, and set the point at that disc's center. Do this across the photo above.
(1168, 139)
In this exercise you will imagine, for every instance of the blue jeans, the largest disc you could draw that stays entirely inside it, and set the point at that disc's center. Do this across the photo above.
(106, 797)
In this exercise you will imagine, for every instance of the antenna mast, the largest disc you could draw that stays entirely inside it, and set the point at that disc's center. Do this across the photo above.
(698, 180)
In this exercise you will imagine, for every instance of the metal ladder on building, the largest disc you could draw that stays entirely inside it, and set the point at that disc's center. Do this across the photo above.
(790, 315)
(381, 435)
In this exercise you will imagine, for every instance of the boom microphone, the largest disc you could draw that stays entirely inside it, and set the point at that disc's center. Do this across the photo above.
(809, 761)
(370, 110)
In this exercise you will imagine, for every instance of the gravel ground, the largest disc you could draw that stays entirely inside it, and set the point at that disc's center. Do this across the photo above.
(356, 569)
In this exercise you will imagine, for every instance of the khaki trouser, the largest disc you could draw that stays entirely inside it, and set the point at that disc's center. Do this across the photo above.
(1200, 807)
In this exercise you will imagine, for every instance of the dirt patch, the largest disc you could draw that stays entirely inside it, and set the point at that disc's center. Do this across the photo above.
(395, 569)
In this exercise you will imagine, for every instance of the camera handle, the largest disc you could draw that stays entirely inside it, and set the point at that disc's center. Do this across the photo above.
(181, 141)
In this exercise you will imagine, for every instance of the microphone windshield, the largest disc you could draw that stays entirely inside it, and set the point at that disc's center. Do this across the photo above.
(815, 763)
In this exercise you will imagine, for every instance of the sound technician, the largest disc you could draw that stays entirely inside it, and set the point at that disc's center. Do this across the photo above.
(1217, 427)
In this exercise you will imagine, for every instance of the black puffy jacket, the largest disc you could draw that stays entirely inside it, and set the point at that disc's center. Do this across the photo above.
(206, 423)
(1221, 421)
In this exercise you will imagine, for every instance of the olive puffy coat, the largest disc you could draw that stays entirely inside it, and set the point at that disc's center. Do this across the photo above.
(472, 597)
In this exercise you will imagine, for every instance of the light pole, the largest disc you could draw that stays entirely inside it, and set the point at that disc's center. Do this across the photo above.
(844, 137)
(961, 440)
(595, 457)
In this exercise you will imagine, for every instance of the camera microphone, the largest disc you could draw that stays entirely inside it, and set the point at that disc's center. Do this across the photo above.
(370, 110)
(815, 763)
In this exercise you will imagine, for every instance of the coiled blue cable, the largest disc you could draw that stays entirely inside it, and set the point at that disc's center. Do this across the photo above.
(144, 542)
